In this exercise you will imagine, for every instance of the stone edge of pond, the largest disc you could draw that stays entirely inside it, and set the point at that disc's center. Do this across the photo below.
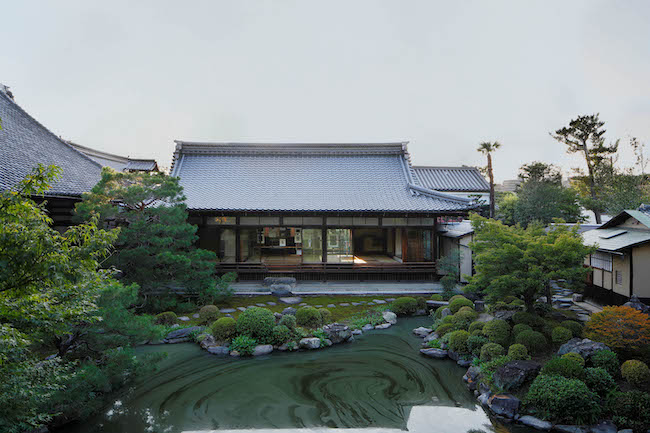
(503, 406)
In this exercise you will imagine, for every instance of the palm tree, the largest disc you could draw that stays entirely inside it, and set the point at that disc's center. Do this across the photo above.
(487, 148)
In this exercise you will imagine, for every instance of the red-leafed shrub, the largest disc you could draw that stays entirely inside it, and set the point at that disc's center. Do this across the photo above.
(621, 328)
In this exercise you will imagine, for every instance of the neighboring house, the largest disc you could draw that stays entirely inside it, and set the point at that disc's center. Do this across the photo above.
(509, 185)
(621, 265)
(314, 211)
(460, 181)
(117, 162)
(455, 237)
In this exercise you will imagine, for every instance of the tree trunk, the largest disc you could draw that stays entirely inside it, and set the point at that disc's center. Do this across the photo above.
(491, 176)
(592, 183)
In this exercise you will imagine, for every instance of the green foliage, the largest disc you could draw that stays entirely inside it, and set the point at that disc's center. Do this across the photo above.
(243, 344)
(635, 372)
(565, 367)
(519, 327)
(218, 290)
(599, 381)
(449, 267)
(435, 344)
(404, 306)
(534, 341)
(542, 309)
(574, 357)
(630, 410)
(475, 343)
(458, 303)
(563, 400)
(520, 262)
(256, 323)
(326, 315)
(289, 321)
(606, 359)
(530, 319)
(458, 342)
(518, 352)
(476, 326)
(166, 318)
(208, 314)
(436, 297)
(491, 351)
(464, 318)
(573, 326)
(497, 331)
(309, 317)
(444, 329)
(281, 334)
(224, 328)
(561, 335)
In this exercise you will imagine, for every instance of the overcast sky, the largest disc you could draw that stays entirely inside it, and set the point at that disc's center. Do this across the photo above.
(130, 77)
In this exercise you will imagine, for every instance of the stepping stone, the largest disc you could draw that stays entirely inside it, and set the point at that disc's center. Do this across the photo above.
(331, 306)
(370, 303)
(227, 310)
(195, 315)
(291, 300)
(383, 326)
(241, 308)
(261, 305)
(356, 304)
(344, 304)
(378, 301)
(367, 327)
(184, 319)
(319, 306)
(303, 304)
(390, 299)
(271, 303)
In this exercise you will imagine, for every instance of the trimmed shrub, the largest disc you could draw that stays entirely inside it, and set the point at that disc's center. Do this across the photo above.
(436, 297)
(534, 341)
(606, 359)
(478, 332)
(308, 317)
(542, 309)
(208, 314)
(459, 303)
(532, 320)
(463, 318)
(326, 315)
(256, 323)
(476, 326)
(563, 400)
(491, 351)
(281, 334)
(518, 352)
(166, 318)
(453, 298)
(458, 341)
(508, 299)
(437, 315)
(561, 335)
(599, 380)
(565, 367)
(573, 326)
(497, 331)
(223, 329)
(635, 372)
(243, 344)
(519, 327)
(575, 357)
(475, 343)
(444, 329)
(621, 328)
(405, 306)
(630, 410)
(289, 321)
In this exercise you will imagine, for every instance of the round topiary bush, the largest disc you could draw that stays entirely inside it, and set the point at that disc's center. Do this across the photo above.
(308, 317)
(459, 303)
(491, 351)
(573, 326)
(256, 323)
(565, 367)
(405, 306)
(561, 335)
(518, 352)
(444, 329)
(519, 327)
(606, 359)
(532, 320)
(289, 321)
(534, 341)
(599, 380)
(326, 315)
(635, 372)
(281, 334)
(458, 341)
(497, 331)
(243, 344)
(478, 332)
(166, 318)
(453, 298)
(223, 329)
(437, 315)
(208, 314)
(475, 343)
(575, 357)
(463, 318)
(436, 297)
(476, 326)
(562, 400)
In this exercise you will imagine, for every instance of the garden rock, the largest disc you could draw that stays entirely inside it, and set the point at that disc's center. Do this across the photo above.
(337, 332)
(262, 349)
(431, 337)
(583, 347)
(564, 428)
(184, 319)
(378, 301)
(227, 310)
(452, 355)
(464, 362)
(445, 312)
(357, 332)
(331, 306)
(436, 304)
(504, 315)
(277, 316)
(270, 281)
(328, 342)
(434, 353)
(208, 341)
(281, 290)
(390, 317)
(283, 347)
(176, 340)
(367, 327)
(182, 333)
(471, 377)
(291, 300)
(218, 350)
(289, 310)
(506, 405)
(195, 316)
(383, 326)
(635, 303)
(484, 399)
(422, 331)
(577, 297)
(235, 354)
(513, 374)
(603, 427)
(309, 343)
(537, 423)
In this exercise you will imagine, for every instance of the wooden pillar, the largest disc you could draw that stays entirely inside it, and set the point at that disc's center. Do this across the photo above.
(324, 246)
(238, 258)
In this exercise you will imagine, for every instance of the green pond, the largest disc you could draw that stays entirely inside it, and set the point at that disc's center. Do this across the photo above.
(380, 383)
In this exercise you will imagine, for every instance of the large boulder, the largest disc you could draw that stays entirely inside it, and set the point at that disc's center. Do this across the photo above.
(635, 303)
(603, 427)
(445, 312)
(472, 376)
(504, 315)
(262, 349)
(291, 300)
(337, 332)
(434, 353)
(218, 350)
(289, 310)
(565, 428)
(270, 281)
(536, 423)
(309, 343)
(422, 331)
(435, 304)
(390, 317)
(208, 341)
(513, 374)
(583, 347)
(367, 327)
(383, 326)
(506, 405)
(184, 333)
(281, 290)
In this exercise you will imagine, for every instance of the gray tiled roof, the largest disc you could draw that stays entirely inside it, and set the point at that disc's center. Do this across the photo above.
(456, 229)
(464, 178)
(615, 239)
(304, 177)
(116, 162)
(24, 143)
(141, 165)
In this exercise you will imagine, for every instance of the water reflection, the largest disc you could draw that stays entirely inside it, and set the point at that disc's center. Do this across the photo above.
(379, 383)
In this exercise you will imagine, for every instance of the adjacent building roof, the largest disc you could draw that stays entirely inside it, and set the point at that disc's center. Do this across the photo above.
(325, 177)
(456, 229)
(465, 179)
(613, 236)
(116, 162)
(25, 143)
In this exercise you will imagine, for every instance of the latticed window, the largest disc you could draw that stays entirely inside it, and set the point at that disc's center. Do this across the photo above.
(601, 261)
(619, 278)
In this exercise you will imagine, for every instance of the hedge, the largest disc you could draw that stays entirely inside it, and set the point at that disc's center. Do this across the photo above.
(256, 323)
(562, 400)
